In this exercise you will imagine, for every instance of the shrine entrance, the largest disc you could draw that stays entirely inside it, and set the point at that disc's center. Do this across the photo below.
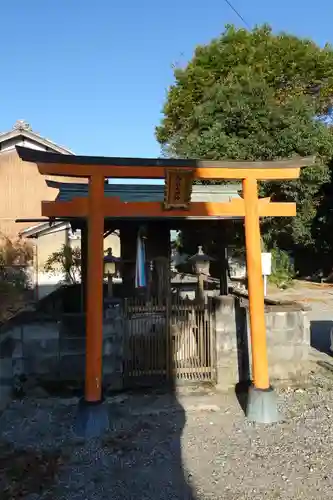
(173, 342)
(179, 176)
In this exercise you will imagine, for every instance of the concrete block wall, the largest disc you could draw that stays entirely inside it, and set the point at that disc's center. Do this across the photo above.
(56, 349)
(288, 341)
(44, 349)
(6, 377)
(24, 349)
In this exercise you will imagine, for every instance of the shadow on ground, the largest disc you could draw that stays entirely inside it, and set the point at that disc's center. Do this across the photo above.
(321, 335)
(243, 360)
(139, 457)
(154, 463)
(242, 394)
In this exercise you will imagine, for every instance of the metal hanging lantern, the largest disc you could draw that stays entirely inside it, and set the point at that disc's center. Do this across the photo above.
(201, 261)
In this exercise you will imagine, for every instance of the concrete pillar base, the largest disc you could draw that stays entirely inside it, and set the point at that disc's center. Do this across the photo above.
(262, 406)
(92, 419)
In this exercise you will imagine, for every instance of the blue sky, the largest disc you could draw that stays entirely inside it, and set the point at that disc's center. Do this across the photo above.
(92, 76)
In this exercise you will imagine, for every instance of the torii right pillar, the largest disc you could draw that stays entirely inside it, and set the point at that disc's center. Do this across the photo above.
(262, 404)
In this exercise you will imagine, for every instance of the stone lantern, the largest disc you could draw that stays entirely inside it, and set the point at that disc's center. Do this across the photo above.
(201, 262)
(111, 268)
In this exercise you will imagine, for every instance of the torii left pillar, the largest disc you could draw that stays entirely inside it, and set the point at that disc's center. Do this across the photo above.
(92, 417)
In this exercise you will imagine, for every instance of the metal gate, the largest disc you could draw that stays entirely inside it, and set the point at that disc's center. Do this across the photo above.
(171, 342)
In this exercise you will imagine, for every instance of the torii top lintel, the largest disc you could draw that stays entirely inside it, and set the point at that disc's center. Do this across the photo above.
(109, 167)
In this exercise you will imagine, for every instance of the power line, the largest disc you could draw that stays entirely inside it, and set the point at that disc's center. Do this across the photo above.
(238, 14)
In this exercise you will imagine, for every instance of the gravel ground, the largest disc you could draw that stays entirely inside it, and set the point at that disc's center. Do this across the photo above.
(197, 447)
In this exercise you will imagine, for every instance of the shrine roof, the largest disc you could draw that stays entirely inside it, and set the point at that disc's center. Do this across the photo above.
(146, 192)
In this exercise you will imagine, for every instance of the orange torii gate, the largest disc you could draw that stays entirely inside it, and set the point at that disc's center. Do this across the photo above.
(179, 175)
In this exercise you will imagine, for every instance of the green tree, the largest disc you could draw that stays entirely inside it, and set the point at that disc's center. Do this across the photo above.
(67, 262)
(289, 65)
(254, 95)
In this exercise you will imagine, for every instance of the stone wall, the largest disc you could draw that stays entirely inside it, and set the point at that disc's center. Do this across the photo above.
(6, 372)
(288, 341)
(51, 350)
(46, 348)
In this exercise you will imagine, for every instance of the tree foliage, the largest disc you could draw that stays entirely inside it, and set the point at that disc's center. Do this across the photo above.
(256, 95)
(290, 66)
(14, 252)
(67, 262)
(15, 258)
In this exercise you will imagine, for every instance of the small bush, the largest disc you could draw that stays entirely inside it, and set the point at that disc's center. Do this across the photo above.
(282, 269)
(14, 252)
(15, 257)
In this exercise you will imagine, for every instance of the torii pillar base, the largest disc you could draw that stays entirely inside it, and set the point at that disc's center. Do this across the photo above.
(92, 419)
(262, 406)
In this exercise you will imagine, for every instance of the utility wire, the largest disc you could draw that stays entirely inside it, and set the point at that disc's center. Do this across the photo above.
(238, 14)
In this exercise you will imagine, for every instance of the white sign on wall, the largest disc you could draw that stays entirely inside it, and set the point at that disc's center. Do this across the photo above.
(266, 263)
(266, 268)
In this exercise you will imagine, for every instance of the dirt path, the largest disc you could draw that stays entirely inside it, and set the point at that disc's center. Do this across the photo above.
(311, 294)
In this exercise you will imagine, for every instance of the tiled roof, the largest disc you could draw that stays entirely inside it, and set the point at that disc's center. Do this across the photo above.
(146, 192)
(22, 129)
